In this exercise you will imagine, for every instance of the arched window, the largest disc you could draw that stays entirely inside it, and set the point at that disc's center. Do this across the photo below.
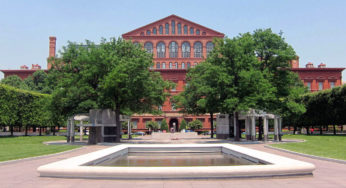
(163, 65)
(183, 65)
(185, 29)
(161, 50)
(173, 49)
(191, 30)
(179, 28)
(173, 27)
(158, 65)
(167, 28)
(176, 65)
(198, 32)
(188, 64)
(148, 32)
(154, 31)
(170, 65)
(161, 30)
(197, 49)
(210, 47)
(185, 49)
(148, 47)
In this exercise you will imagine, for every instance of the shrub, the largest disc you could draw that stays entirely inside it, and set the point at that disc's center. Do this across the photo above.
(194, 125)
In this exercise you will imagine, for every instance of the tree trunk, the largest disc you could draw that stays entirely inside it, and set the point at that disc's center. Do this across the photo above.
(53, 130)
(321, 130)
(289, 128)
(11, 129)
(34, 128)
(294, 129)
(260, 128)
(40, 131)
(26, 130)
(327, 128)
(118, 125)
(334, 129)
(212, 125)
(237, 135)
(231, 128)
(307, 130)
(20, 128)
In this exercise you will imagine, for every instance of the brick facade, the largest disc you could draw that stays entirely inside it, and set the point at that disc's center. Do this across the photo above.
(173, 64)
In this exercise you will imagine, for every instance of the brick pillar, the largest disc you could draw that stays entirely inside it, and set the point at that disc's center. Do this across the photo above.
(52, 49)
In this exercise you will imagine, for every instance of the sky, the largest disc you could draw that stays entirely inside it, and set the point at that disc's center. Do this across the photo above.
(316, 29)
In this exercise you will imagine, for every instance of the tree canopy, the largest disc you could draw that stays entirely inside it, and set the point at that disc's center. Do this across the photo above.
(114, 74)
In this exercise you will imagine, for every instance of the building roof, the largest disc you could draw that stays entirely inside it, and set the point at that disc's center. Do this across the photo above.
(138, 31)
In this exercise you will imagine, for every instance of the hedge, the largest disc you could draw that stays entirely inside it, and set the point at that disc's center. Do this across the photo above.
(24, 108)
(323, 108)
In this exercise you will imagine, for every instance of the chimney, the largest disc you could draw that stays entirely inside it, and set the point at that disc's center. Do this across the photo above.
(295, 62)
(24, 67)
(35, 67)
(52, 48)
(309, 65)
(322, 65)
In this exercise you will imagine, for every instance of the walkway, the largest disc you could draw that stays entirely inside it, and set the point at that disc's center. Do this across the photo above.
(23, 174)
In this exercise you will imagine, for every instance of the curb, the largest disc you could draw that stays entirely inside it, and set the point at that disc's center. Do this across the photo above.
(37, 157)
(307, 155)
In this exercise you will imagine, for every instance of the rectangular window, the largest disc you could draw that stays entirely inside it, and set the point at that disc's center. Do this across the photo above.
(191, 31)
(163, 65)
(134, 124)
(309, 85)
(170, 65)
(332, 84)
(185, 29)
(167, 28)
(179, 28)
(173, 27)
(158, 65)
(320, 86)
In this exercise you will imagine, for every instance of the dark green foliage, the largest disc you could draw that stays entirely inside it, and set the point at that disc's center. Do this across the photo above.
(114, 74)
(164, 125)
(195, 125)
(325, 108)
(24, 108)
(153, 125)
(14, 81)
(183, 125)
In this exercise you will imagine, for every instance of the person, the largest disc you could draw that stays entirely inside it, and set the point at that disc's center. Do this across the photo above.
(312, 130)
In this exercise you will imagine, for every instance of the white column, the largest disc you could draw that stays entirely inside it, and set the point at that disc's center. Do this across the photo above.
(276, 128)
(253, 128)
(247, 128)
(81, 133)
(265, 128)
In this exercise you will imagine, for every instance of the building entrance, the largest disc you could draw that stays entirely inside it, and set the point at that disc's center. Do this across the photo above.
(173, 125)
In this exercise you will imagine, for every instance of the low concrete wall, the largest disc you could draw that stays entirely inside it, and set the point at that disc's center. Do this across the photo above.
(157, 135)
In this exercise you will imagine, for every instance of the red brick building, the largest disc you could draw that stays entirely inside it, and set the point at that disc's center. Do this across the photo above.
(178, 44)
(318, 78)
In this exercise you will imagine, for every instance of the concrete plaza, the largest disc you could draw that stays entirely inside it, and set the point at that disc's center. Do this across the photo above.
(22, 173)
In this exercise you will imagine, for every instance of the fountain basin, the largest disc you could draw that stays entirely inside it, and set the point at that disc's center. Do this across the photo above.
(263, 164)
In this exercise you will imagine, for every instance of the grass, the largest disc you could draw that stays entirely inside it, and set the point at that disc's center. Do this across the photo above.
(319, 145)
(29, 146)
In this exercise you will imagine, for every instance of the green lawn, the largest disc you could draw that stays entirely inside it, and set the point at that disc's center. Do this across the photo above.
(324, 146)
(29, 146)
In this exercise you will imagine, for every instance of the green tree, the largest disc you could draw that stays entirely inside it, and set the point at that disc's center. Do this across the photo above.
(201, 95)
(183, 125)
(153, 125)
(14, 81)
(195, 125)
(242, 85)
(164, 125)
(114, 74)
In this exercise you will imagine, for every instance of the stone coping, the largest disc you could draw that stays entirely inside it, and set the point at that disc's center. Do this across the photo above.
(275, 165)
